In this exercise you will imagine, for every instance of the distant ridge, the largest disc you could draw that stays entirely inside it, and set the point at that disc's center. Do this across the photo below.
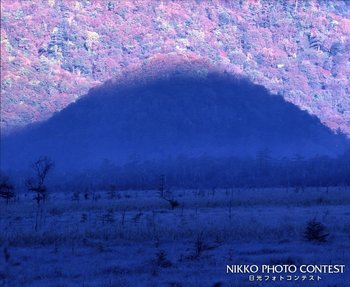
(180, 114)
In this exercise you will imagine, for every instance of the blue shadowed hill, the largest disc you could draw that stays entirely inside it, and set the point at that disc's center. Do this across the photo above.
(216, 115)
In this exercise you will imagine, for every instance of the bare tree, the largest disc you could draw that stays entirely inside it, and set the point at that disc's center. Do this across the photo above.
(6, 188)
(162, 186)
(162, 193)
(36, 184)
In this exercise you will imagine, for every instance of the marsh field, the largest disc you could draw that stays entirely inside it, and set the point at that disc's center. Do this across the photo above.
(184, 238)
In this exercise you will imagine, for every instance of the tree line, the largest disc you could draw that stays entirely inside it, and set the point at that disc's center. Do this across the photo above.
(262, 170)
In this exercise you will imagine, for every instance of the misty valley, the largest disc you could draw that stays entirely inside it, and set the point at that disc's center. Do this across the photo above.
(175, 143)
(168, 181)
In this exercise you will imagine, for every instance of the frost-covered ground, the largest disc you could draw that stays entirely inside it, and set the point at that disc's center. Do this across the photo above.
(135, 238)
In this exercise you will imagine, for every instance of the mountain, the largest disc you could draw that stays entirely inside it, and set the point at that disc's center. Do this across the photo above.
(181, 114)
(54, 51)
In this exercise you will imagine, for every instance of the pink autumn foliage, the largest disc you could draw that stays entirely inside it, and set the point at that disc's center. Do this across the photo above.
(52, 52)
